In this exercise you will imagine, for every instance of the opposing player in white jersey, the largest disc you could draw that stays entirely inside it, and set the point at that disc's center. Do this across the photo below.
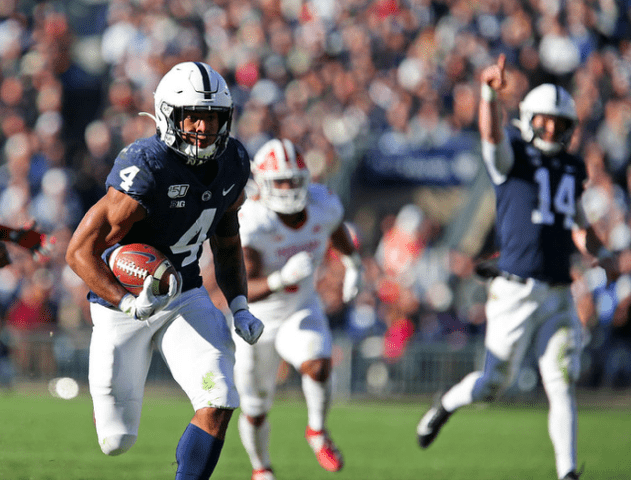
(537, 186)
(285, 234)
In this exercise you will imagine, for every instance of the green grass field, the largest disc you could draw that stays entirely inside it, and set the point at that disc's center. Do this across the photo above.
(44, 438)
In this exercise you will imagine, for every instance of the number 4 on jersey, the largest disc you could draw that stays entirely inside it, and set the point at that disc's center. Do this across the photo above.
(127, 175)
(192, 240)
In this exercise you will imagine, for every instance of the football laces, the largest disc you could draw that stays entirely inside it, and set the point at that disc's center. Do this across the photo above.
(131, 269)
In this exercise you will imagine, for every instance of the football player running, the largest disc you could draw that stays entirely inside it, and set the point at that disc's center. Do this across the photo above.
(537, 185)
(174, 191)
(285, 233)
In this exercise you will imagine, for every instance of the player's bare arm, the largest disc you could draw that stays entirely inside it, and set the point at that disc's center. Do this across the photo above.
(107, 222)
(496, 151)
(230, 271)
(341, 240)
(231, 275)
(258, 287)
(493, 80)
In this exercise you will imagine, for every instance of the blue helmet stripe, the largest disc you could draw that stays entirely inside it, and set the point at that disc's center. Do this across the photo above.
(205, 79)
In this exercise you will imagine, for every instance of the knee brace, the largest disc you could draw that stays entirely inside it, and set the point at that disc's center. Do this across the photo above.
(117, 444)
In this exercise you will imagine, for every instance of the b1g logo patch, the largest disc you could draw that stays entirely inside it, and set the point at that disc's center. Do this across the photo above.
(177, 191)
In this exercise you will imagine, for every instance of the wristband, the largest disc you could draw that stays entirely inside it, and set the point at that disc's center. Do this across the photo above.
(239, 303)
(352, 261)
(488, 93)
(275, 282)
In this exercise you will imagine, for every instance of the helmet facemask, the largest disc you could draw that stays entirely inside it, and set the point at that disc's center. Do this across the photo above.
(285, 200)
(559, 143)
(187, 142)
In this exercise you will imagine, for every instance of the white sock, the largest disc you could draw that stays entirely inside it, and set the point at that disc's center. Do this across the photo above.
(255, 440)
(317, 396)
(562, 427)
(460, 394)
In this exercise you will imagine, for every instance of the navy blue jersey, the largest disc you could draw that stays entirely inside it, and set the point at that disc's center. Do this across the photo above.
(183, 203)
(536, 208)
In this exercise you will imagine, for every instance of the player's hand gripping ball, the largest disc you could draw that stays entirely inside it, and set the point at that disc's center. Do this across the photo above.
(132, 263)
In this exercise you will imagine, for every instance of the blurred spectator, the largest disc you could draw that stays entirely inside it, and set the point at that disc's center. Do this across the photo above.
(397, 254)
(614, 136)
(30, 323)
(93, 163)
(341, 80)
(57, 206)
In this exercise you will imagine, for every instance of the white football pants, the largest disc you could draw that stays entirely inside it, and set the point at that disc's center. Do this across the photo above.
(533, 316)
(195, 341)
(305, 335)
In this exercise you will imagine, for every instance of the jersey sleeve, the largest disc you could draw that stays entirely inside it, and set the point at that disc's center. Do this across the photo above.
(498, 159)
(131, 175)
(253, 225)
(244, 163)
(330, 205)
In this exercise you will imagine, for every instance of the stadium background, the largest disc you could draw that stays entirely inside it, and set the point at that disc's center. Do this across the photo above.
(381, 96)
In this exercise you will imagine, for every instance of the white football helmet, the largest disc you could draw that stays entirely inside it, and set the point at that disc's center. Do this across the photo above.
(547, 99)
(192, 86)
(279, 160)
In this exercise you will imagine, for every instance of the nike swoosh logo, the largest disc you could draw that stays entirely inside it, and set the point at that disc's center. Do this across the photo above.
(227, 190)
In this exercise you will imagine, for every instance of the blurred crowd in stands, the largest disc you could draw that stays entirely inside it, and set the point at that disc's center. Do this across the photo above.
(339, 78)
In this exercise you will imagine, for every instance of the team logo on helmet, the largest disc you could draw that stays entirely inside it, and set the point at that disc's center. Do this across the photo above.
(278, 162)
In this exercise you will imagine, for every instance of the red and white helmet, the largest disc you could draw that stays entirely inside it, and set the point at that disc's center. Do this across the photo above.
(279, 160)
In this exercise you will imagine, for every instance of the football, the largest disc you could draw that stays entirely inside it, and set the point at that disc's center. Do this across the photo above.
(132, 263)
